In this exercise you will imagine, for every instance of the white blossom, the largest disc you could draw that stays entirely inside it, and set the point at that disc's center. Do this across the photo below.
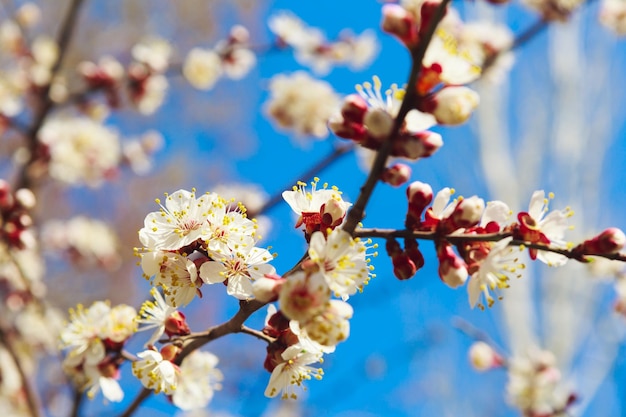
(197, 381)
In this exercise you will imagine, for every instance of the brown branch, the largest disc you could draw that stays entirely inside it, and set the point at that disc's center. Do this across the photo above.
(457, 239)
(357, 212)
(196, 340)
(46, 104)
(79, 396)
(143, 395)
(258, 334)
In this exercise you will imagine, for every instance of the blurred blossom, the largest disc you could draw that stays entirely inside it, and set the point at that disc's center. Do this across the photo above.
(86, 241)
(301, 103)
(81, 150)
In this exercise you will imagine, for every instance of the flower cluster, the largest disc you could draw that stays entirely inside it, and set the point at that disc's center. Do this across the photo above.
(489, 264)
(231, 57)
(310, 323)
(95, 338)
(301, 103)
(190, 385)
(80, 150)
(85, 241)
(196, 240)
(313, 50)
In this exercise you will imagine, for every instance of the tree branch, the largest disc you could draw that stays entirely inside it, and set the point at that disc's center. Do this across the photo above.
(357, 212)
(45, 102)
(457, 239)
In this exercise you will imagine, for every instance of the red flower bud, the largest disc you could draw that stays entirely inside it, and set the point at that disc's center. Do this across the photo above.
(396, 175)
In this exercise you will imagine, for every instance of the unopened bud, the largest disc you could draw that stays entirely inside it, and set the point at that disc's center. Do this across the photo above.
(176, 325)
(169, 352)
(411, 247)
(378, 122)
(467, 212)
(6, 198)
(483, 357)
(28, 15)
(332, 213)
(396, 175)
(403, 266)
(239, 34)
(419, 195)
(354, 108)
(26, 198)
(417, 145)
(347, 130)
(427, 12)
(399, 22)
(453, 105)
(610, 241)
(452, 269)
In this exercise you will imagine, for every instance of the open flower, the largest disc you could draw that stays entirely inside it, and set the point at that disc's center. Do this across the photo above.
(293, 371)
(156, 373)
(493, 273)
(342, 261)
(197, 380)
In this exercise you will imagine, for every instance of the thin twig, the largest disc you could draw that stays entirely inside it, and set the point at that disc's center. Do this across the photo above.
(457, 239)
(46, 104)
(256, 333)
(79, 396)
(196, 340)
(357, 212)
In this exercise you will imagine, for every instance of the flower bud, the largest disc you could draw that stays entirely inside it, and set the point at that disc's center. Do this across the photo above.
(467, 212)
(332, 213)
(354, 108)
(26, 198)
(396, 175)
(427, 12)
(452, 269)
(483, 357)
(348, 130)
(610, 241)
(6, 197)
(176, 325)
(379, 123)
(399, 22)
(403, 266)
(417, 145)
(453, 105)
(419, 195)
(169, 352)
(411, 247)
(239, 34)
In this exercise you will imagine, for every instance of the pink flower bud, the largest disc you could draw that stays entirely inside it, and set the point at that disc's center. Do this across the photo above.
(176, 325)
(396, 175)
(332, 213)
(354, 108)
(6, 198)
(403, 266)
(399, 22)
(411, 247)
(239, 34)
(467, 212)
(427, 12)
(483, 357)
(610, 241)
(26, 198)
(452, 269)
(453, 105)
(169, 352)
(419, 195)
(418, 145)
(379, 123)
(348, 130)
